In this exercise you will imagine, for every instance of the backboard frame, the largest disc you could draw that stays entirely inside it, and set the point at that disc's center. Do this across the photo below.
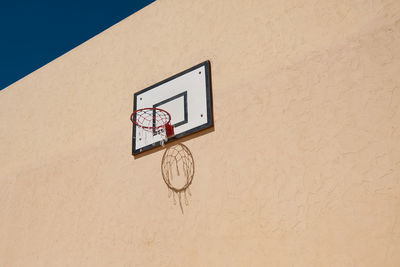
(209, 123)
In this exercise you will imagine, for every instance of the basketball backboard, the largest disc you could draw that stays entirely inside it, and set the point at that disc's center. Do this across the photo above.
(186, 96)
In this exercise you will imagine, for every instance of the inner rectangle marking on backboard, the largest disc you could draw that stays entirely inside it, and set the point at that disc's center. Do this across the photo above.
(184, 107)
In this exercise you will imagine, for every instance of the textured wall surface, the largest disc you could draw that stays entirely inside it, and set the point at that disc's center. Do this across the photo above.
(302, 168)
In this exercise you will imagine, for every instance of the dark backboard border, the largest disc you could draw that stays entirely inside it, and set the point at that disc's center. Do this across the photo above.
(208, 124)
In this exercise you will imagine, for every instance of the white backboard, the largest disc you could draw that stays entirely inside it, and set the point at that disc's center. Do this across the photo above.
(186, 96)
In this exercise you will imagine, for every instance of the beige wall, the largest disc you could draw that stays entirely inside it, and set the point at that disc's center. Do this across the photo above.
(302, 169)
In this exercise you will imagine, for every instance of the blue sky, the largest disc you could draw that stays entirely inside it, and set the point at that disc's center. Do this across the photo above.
(33, 33)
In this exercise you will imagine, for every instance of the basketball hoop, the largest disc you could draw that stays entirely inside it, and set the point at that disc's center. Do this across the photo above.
(177, 165)
(153, 122)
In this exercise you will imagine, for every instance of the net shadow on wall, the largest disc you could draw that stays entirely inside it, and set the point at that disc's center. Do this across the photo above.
(177, 168)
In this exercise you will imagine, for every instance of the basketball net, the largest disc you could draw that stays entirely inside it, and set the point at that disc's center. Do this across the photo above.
(152, 124)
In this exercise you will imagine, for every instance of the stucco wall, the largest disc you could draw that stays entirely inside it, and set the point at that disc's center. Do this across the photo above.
(302, 168)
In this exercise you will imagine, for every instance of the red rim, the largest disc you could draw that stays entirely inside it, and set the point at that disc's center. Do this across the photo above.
(154, 118)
